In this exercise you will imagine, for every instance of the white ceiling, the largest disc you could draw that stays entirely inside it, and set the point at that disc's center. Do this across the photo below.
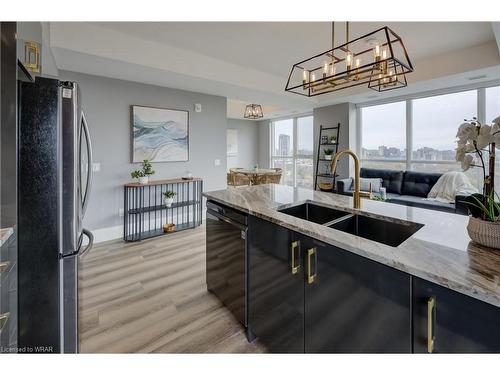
(273, 47)
(250, 62)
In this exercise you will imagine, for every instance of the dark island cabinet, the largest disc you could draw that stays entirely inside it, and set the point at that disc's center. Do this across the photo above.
(446, 321)
(352, 304)
(307, 296)
(276, 287)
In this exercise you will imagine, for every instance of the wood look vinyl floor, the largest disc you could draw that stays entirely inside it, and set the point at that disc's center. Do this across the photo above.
(151, 296)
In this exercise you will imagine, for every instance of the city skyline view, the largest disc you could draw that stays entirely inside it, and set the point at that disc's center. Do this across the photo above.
(423, 153)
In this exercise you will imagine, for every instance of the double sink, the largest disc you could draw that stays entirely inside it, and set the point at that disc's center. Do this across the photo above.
(379, 230)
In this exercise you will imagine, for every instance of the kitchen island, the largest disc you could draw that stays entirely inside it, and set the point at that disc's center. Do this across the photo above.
(433, 292)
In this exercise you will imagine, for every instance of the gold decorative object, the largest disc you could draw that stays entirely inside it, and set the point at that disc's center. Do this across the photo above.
(32, 56)
(167, 228)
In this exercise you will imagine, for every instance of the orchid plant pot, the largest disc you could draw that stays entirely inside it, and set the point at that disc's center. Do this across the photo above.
(483, 232)
(144, 180)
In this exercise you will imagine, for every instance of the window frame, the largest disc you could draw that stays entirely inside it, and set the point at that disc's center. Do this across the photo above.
(480, 89)
(295, 155)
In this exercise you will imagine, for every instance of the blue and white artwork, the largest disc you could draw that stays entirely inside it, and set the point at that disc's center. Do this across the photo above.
(159, 134)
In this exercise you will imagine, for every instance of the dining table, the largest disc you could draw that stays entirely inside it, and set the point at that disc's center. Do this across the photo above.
(255, 174)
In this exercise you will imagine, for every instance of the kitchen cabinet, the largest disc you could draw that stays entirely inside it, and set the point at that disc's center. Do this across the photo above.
(352, 304)
(276, 287)
(308, 296)
(446, 321)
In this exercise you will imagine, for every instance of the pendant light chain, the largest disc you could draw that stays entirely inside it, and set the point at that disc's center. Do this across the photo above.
(347, 34)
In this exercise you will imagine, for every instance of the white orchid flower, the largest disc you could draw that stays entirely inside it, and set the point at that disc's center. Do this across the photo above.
(459, 154)
(484, 138)
(467, 131)
(496, 121)
(495, 131)
(467, 162)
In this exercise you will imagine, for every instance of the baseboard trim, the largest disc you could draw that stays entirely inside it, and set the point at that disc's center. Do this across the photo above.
(107, 234)
(116, 232)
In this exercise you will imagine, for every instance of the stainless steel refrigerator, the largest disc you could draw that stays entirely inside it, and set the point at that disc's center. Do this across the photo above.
(54, 182)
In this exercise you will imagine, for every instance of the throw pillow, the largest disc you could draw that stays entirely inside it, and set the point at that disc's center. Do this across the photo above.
(376, 184)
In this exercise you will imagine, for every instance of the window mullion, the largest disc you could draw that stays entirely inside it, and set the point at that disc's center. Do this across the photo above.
(409, 133)
(295, 143)
(481, 105)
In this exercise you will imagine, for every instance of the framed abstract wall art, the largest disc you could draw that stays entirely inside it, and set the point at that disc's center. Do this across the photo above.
(159, 134)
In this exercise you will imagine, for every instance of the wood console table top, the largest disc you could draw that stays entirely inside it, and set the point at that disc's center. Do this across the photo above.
(163, 182)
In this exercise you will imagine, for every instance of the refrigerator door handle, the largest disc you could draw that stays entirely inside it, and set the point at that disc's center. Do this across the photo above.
(89, 245)
(85, 199)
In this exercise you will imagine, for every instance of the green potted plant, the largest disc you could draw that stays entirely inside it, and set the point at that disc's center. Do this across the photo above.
(143, 174)
(333, 139)
(328, 153)
(168, 197)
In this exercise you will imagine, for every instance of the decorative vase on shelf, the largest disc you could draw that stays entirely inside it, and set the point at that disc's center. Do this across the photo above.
(169, 201)
(328, 157)
(486, 233)
(168, 198)
(144, 180)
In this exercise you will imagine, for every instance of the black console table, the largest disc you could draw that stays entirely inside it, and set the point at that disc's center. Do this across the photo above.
(145, 211)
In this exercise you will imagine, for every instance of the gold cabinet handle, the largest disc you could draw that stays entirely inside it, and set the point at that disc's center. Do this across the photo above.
(311, 277)
(295, 268)
(431, 306)
(3, 320)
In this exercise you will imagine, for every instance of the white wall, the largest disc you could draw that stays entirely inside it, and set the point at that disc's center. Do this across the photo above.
(107, 102)
(248, 143)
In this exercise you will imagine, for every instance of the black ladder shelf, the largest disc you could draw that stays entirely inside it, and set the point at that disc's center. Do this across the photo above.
(325, 134)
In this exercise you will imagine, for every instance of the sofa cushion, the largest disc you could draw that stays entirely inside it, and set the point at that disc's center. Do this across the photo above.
(391, 180)
(419, 183)
(413, 201)
(370, 183)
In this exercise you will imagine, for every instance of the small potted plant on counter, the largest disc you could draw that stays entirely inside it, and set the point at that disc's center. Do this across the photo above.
(475, 141)
(328, 153)
(143, 174)
(484, 223)
(169, 198)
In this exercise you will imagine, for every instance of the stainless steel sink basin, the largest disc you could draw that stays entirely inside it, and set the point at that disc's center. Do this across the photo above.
(313, 212)
(379, 230)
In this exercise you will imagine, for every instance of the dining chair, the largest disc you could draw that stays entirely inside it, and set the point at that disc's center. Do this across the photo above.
(274, 178)
(238, 179)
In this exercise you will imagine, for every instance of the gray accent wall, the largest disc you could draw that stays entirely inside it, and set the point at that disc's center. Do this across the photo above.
(264, 143)
(248, 142)
(345, 113)
(107, 102)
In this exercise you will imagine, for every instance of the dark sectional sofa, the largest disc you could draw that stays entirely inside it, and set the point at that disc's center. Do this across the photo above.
(407, 188)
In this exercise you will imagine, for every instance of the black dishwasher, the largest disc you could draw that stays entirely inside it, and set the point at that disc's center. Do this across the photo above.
(226, 258)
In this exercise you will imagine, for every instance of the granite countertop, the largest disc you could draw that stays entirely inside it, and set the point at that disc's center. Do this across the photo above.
(5, 234)
(440, 252)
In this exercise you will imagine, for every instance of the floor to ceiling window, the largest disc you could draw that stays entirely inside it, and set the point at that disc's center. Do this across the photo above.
(292, 150)
(419, 134)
